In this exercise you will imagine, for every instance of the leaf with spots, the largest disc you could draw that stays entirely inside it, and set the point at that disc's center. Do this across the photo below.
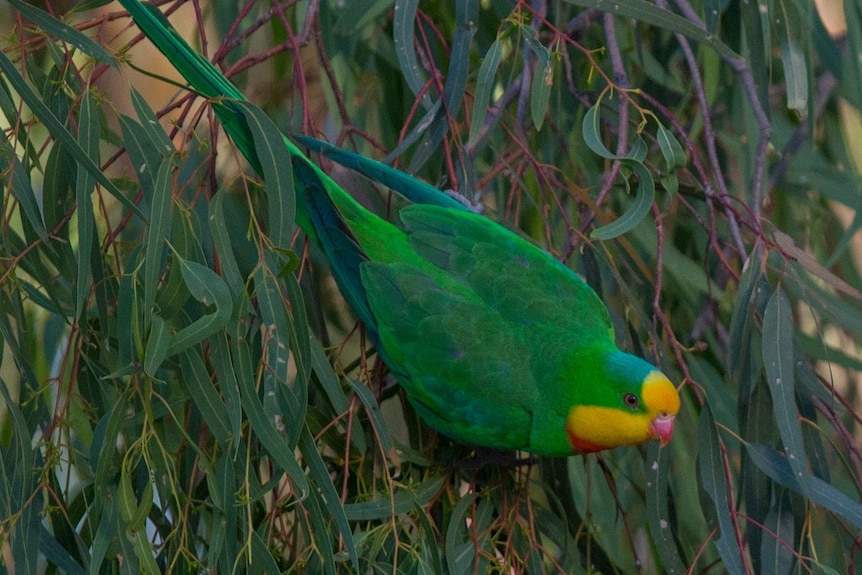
(658, 512)
(780, 375)
(209, 289)
(774, 465)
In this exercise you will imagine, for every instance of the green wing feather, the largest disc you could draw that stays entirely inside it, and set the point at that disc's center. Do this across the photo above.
(444, 349)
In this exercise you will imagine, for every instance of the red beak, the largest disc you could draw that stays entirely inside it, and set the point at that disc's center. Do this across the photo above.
(661, 428)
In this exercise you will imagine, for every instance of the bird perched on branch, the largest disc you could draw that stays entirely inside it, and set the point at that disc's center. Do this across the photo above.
(496, 343)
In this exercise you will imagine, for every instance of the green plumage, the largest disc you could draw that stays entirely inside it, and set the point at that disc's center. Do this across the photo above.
(494, 341)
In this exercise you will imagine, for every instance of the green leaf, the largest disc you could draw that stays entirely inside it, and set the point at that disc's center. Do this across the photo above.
(223, 486)
(421, 127)
(458, 524)
(103, 449)
(661, 18)
(300, 336)
(276, 320)
(658, 512)
(206, 397)
(129, 314)
(59, 132)
(209, 289)
(543, 76)
(456, 83)
(63, 32)
(331, 499)
(671, 150)
(401, 501)
(755, 22)
(152, 130)
(780, 365)
(669, 182)
(158, 344)
(373, 409)
(158, 232)
(106, 531)
(144, 155)
(744, 364)
(57, 190)
(712, 14)
(775, 553)
(356, 14)
(260, 559)
(795, 74)
(328, 380)
(318, 525)
(17, 181)
(540, 95)
(277, 173)
(228, 386)
(636, 213)
(485, 82)
(219, 225)
(403, 36)
(777, 468)
(133, 513)
(264, 428)
(646, 185)
(792, 57)
(60, 174)
(88, 136)
(143, 552)
(853, 66)
(55, 554)
(712, 479)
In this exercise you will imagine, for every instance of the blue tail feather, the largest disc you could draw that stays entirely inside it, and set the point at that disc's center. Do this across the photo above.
(337, 241)
(413, 189)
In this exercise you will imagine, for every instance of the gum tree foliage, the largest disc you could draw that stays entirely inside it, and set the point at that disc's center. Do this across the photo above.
(185, 390)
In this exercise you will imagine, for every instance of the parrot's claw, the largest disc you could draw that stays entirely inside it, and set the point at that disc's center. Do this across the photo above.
(485, 456)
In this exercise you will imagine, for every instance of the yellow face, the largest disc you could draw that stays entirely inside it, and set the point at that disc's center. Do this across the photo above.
(636, 420)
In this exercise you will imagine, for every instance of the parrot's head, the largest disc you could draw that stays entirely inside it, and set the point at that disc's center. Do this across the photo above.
(633, 403)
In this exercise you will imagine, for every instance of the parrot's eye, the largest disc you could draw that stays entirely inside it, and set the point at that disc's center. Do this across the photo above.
(630, 399)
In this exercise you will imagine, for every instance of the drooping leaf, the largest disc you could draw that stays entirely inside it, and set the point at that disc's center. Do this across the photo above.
(712, 476)
(780, 365)
(776, 466)
(485, 82)
(646, 184)
(661, 18)
(63, 32)
(209, 289)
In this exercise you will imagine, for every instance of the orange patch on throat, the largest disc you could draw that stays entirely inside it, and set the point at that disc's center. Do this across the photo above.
(582, 445)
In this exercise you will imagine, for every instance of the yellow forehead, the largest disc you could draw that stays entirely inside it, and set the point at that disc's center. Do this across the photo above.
(659, 395)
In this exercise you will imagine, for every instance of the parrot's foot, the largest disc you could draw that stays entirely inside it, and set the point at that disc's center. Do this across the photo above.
(475, 207)
(485, 456)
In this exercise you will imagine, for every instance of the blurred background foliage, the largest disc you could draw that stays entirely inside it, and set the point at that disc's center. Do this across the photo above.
(184, 390)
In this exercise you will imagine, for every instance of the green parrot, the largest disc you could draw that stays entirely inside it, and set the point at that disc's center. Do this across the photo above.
(495, 342)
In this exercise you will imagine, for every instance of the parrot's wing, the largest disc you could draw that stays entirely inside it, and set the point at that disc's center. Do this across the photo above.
(525, 284)
(478, 331)
(464, 369)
